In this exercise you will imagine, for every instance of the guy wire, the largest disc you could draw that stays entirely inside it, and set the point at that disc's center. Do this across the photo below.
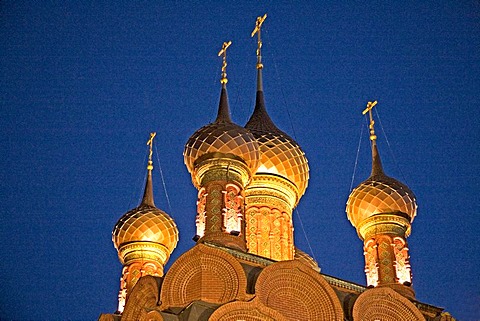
(356, 159)
(163, 181)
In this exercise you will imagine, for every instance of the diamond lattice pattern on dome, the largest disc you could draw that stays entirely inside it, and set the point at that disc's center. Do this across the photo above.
(148, 224)
(225, 138)
(380, 196)
(282, 156)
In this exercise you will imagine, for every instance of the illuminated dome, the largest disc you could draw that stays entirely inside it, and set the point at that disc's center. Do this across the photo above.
(146, 223)
(280, 154)
(221, 139)
(380, 194)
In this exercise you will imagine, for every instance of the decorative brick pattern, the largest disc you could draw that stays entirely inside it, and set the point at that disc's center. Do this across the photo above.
(383, 303)
(203, 273)
(298, 292)
(246, 311)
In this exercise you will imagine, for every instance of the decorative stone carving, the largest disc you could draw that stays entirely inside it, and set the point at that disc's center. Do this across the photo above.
(383, 303)
(371, 266)
(201, 212)
(298, 292)
(203, 273)
(402, 264)
(247, 311)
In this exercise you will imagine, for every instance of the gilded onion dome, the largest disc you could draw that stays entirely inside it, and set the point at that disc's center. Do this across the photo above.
(380, 194)
(280, 154)
(221, 139)
(146, 224)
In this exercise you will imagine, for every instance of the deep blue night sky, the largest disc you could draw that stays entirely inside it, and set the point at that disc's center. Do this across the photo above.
(82, 84)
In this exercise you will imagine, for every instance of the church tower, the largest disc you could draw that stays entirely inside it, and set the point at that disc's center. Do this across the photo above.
(221, 157)
(382, 210)
(279, 182)
(144, 238)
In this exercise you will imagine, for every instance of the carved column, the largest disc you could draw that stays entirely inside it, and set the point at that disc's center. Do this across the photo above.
(270, 201)
(386, 252)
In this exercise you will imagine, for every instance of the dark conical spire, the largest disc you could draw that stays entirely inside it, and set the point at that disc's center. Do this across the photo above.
(148, 193)
(260, 120)
(223, 115)
(377, 168)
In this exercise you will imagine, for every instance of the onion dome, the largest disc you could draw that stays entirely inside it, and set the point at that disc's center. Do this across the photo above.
(146, 223)
(221, 139)
(380, 194)
(280, 154)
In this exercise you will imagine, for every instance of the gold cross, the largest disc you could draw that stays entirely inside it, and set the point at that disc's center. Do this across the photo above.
(150, 143)
(223, 52)
(258, 26)
(368, 110)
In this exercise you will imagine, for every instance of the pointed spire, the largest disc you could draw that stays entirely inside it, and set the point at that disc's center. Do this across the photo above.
(223, 115)
(260, 120)
(377, 168)
(148, 193)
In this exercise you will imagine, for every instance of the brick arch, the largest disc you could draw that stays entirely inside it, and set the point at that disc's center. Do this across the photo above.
(203, 273)
(298, 292)
(144, 295)
(247, 311)
(385, 304)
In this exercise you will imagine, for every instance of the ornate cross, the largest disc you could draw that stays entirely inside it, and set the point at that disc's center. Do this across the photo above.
(257, 30)
(150, 143)
(223, 52)
(368, 110)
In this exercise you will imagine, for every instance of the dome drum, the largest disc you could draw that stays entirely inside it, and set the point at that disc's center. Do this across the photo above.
(390, 223)
(268, 188)
(143, 251)
(219, 169)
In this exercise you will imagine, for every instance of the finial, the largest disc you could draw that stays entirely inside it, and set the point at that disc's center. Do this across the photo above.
(150, 143)
(257, 30)
(223, 52)
(370, 105)
(377, 168)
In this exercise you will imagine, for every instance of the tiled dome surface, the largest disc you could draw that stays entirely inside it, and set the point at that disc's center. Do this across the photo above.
(224, 138)
(380, 194)
(281, 155)
(146, 223)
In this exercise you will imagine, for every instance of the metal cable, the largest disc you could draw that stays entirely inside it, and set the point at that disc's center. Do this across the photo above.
(356, 159)
(390, 148)
(163, 180)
